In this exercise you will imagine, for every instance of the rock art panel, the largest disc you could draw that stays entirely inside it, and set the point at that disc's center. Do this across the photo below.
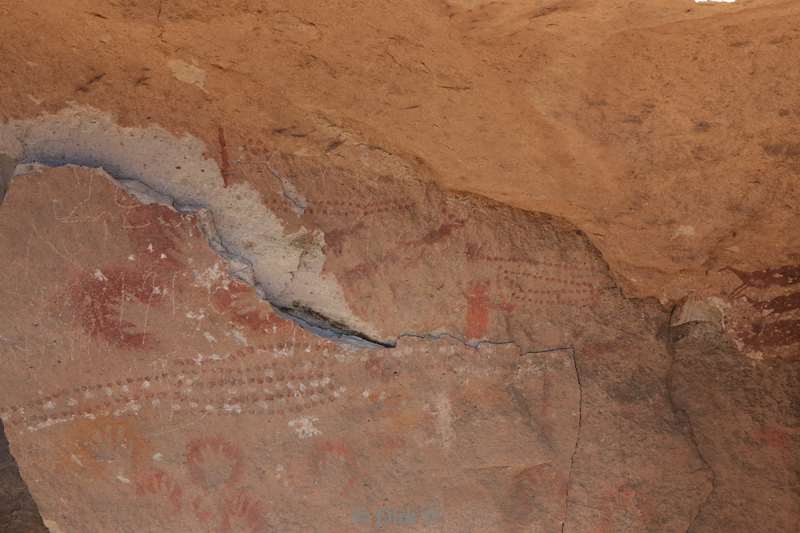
(522, 391)
(763, 311)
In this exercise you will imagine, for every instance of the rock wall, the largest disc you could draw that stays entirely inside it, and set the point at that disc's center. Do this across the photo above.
(430, 267)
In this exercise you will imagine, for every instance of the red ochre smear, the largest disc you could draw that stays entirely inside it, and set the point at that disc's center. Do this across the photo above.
(477, 310)
(96, 298)
(214, 462)
(242, 511)
(158, 482)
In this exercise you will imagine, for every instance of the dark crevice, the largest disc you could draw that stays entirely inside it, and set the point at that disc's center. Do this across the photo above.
(18, 510)
(7, 166)
(577, 438)
(323, 326)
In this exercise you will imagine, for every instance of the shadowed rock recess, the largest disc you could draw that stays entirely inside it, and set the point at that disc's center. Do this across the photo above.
(243, 296)
(18, 511)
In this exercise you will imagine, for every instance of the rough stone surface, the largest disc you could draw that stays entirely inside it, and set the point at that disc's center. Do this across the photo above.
(247, 284)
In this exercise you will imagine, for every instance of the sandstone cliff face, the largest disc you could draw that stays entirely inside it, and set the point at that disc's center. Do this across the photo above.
(249, 285)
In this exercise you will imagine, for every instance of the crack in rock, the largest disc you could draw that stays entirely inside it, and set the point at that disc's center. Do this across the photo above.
(577, 438)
